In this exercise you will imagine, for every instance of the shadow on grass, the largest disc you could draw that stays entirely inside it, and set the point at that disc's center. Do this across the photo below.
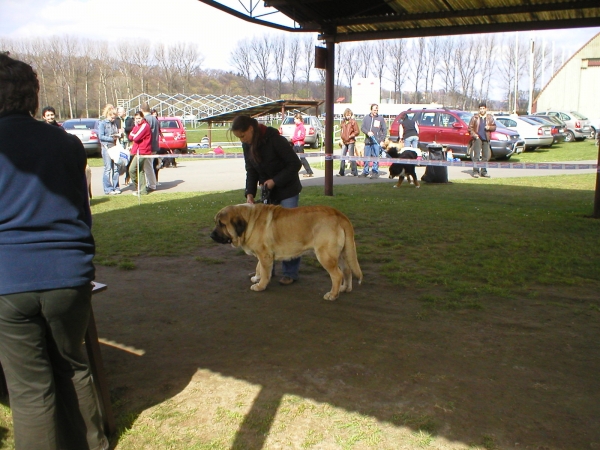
(518, 369)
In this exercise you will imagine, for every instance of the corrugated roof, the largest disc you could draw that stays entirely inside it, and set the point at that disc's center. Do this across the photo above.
(264, 109)
(355, 20)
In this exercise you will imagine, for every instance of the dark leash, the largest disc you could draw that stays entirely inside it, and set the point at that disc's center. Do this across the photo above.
(265, 194)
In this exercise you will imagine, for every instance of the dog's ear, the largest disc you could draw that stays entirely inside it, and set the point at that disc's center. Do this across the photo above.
(239, 225)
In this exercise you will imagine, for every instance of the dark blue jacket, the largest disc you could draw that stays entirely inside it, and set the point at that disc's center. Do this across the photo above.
(45, 221)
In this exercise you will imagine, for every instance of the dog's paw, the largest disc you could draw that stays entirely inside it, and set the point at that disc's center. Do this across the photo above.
(417, 187)
(395, 186)
(255, 279)
(257, 287)
(329, 296)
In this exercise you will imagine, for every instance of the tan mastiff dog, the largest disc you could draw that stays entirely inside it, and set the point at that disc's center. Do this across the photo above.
(272, 233)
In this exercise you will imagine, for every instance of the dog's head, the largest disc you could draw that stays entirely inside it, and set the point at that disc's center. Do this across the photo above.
(393, 152)
(230, 225)
(386, 143)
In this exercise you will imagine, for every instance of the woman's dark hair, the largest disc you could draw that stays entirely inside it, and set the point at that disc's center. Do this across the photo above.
(139, 113)
(242, 123)
(19, 87)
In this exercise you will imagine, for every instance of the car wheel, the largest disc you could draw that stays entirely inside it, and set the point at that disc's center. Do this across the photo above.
(593, 133)
(570, 137)
(317, 143)
(503, 158)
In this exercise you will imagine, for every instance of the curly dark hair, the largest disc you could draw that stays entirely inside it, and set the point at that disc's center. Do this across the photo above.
(19, 87)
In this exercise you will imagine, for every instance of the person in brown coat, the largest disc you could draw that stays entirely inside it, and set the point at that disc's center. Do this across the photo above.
(480, 128)
(349, 131)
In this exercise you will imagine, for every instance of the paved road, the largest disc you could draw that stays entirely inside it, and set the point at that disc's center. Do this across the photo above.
(229, 174)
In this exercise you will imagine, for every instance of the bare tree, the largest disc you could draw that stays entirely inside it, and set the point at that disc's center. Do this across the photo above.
(466, 60)
(241, 59)
(448, 70)
(487, 50)
(397, 66)
(141, 58)
(308, 45)
(365, 55)
(293, 60)
(431, 65)
(341, 54)
(261, 58)
(350, 64)
(279, 49)
(418, 62)
(379, 61)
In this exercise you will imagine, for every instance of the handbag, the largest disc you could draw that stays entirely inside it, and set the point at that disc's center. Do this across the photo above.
(115, 153)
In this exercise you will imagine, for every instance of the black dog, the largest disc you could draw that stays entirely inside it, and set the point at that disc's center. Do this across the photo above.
(402, 170)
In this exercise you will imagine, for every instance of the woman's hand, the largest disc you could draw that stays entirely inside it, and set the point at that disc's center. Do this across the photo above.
(250, 198)
(270, 184)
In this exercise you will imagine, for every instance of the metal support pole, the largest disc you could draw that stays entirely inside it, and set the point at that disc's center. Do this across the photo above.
(329, 88)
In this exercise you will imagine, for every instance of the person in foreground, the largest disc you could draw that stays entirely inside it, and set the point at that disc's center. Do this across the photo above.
(272, 163)
(46, 269)
(480, 127)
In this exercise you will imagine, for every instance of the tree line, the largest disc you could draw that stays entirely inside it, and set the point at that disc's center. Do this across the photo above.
(79, 76)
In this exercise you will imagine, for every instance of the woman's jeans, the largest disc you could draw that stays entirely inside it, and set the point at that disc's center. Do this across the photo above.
(291, 267)
(52, 396)
(110, 178)
(412, 141)
(348, 149)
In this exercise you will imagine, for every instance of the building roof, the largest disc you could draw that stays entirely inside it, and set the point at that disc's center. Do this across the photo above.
(274, 107)
(355, 20)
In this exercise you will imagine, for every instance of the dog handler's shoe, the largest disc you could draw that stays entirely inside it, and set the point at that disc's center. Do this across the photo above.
(364, 174)
(286, 281)
(374, 175)
(475, 174)
(485, 175)
(308, 175)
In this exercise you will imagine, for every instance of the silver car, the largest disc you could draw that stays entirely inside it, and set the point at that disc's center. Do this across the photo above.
(314, 130)
(578, 126)
(87, 132)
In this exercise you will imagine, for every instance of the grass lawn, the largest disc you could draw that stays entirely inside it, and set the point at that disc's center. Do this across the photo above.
(471, 253)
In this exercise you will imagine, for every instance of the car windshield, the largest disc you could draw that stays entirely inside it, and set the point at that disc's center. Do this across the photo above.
(465, 116)
(578, 116)
(289, 120)
(529, 121)
(169, 124)
(79, 125)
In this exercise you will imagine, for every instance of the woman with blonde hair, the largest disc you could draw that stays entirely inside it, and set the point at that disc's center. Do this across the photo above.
(108, 135)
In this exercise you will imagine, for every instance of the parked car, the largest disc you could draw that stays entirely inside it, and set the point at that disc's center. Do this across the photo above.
(314, 130)
(87, 132)
(534, 133)
(451, 129)
(559, 132)
(173, 134)
(595, 125)
(578, 126)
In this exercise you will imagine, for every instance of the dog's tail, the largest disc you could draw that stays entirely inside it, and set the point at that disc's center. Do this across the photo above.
(349, 251)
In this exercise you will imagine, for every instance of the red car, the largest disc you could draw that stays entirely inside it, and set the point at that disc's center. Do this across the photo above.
(451, 129)
(173, 135)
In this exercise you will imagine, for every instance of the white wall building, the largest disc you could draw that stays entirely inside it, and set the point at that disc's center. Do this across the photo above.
(576, 85)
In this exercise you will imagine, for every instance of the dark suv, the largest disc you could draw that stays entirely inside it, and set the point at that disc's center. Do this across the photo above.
(451, 129)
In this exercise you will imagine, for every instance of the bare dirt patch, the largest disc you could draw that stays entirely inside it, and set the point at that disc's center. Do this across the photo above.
(225, 367)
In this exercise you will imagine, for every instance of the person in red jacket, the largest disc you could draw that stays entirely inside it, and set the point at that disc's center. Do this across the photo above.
(141, 136)
(298, 142)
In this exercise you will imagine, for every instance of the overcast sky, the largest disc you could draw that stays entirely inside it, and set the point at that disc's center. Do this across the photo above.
(171, 21)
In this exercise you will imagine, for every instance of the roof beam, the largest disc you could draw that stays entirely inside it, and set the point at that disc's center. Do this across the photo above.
(460, 29)
(457, 14)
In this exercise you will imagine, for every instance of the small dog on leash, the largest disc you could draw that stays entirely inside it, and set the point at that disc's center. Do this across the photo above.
(88, 177)
(403, 170)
